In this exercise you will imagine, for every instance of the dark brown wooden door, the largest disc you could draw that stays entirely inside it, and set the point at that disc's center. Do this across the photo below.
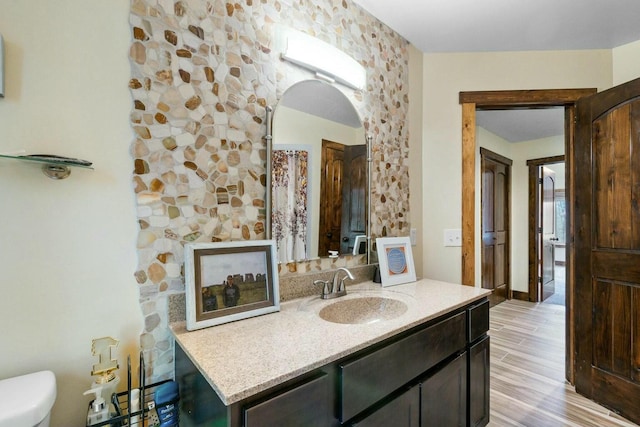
(607, 248)
(332, 163)
(495, 225)
(354, 197)
(547, 233)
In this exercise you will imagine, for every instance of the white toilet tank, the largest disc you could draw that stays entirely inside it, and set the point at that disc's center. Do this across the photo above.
(26, 401)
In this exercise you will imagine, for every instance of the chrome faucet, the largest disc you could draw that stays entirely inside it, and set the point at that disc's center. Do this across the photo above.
(338, 288)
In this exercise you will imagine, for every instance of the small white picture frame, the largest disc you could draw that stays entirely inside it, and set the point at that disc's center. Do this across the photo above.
(396, 260)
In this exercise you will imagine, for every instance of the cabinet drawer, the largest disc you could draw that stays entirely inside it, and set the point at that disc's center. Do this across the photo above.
(308, 404)
(368, 379)
(478, 320)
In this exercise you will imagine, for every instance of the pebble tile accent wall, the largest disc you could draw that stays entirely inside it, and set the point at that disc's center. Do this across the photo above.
(202, 73)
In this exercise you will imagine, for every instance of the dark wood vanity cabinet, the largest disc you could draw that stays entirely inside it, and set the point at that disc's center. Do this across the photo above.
(436, 374)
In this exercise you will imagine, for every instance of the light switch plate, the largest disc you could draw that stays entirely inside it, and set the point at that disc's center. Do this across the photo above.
(453, 237)
(413, 236)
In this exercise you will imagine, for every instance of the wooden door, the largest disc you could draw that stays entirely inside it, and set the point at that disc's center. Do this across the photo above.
(354, 197)
(607, 248)
(547, 233)
(496, 171)
(332, 163)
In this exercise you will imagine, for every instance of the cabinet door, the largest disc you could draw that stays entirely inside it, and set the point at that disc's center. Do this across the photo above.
(403, 411)
(308, 404)
(479, 383)
(443, 396)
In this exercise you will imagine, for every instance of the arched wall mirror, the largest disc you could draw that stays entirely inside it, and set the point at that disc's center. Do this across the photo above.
(319, 176)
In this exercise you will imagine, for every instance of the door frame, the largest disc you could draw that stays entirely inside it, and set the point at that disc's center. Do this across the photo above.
(507, 100)
(534, 206)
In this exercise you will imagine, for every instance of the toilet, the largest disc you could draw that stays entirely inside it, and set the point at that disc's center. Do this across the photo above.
(26, 401)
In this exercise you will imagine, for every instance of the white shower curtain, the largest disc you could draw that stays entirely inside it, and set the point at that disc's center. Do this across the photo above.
(289, 199)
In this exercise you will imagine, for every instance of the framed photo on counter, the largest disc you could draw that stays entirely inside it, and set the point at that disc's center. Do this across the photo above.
(396, 260)
(229, 281)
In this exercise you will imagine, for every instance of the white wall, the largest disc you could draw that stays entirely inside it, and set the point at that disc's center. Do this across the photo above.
(445, 75)
(68, 248)
(626, 63)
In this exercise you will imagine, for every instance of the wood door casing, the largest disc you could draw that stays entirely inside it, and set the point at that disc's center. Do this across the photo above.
(607, 248)
(496, 189)
(332, 163)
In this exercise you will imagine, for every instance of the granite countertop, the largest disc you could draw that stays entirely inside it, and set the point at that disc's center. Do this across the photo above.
(245, 357)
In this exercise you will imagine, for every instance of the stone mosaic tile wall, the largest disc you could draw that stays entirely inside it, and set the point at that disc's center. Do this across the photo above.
(203, 72)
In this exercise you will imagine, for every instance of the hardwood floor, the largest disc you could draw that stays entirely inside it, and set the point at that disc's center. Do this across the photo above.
(527, 371)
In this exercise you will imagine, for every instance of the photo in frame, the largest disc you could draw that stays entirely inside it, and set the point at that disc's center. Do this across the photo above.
(230, 281)
(396, 260)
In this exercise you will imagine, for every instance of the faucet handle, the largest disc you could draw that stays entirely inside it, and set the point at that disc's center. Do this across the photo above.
(325, 285)
(341, 285)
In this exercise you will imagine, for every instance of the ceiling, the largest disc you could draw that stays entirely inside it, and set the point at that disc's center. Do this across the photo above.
(512, 25)
(508, 25)
(523, 125)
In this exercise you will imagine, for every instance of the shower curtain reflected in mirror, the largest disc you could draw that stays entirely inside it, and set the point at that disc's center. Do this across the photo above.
(289, 201)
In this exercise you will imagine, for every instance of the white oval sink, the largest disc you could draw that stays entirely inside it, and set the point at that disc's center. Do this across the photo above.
(363, 310)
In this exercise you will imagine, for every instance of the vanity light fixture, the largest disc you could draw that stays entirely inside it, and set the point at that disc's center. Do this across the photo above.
(326, 61)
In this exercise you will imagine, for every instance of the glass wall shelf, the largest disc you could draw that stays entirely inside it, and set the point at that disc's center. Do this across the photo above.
(55, 167)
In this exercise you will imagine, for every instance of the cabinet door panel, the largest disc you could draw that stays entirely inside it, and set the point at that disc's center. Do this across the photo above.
(403, 411)
(443, 396)
(368, 379)
(306, 405)
(479, 383)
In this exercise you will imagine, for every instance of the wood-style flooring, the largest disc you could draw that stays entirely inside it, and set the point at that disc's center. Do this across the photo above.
(528, 386)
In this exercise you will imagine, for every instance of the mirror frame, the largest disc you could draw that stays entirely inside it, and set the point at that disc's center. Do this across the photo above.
(269, 114)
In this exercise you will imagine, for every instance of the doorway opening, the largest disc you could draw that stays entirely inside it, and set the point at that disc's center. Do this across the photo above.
(547, 230)
(518, 99)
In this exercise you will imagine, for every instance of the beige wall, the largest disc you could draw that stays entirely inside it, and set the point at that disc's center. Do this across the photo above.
(445, 75)
(68, 247)
(626, 63)
(416, 129)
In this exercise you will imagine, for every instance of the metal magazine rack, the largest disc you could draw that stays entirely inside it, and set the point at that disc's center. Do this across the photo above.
(122, 402)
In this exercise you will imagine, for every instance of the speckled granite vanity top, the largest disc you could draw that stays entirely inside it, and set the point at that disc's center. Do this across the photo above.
(242, 358)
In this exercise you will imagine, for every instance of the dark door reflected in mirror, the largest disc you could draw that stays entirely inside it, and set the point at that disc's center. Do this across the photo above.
(319, 174)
